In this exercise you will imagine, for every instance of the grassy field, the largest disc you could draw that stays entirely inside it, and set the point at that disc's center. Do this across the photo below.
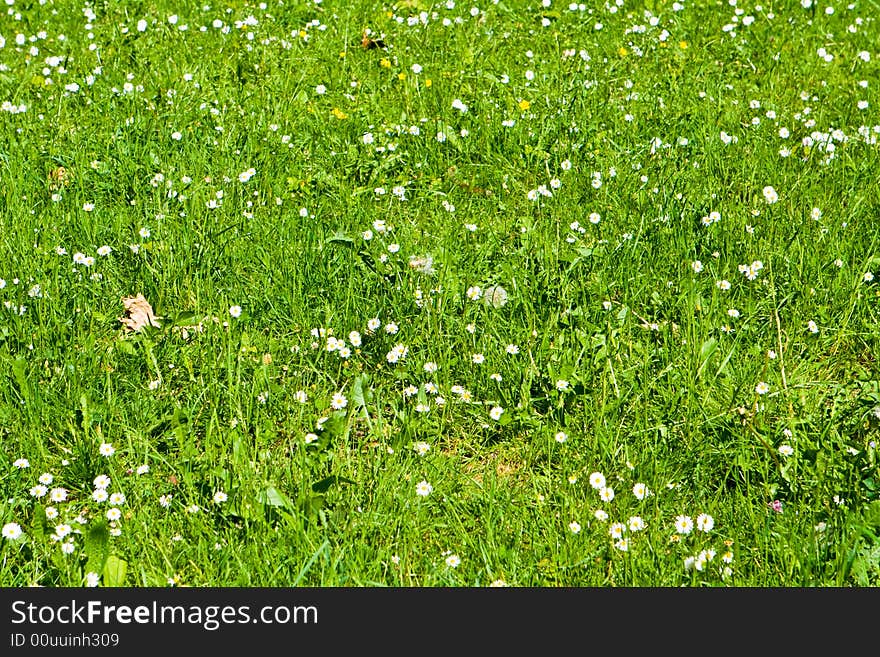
(488, 293)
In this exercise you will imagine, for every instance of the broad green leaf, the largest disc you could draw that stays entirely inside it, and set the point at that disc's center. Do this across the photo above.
(275, 498)
(114, 571)
(40, 525)
(239, 449)
(360, 390)
(19, 368)
(707, 348)
(340, 238)
(187, 318)
(324, 485)
(96, 546)
(313, 504)
(335, 425)
(367, 260)
(872, 514)
(783, 471)
(125, 347)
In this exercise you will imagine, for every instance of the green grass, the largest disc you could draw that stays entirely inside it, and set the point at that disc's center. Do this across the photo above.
(621, 127)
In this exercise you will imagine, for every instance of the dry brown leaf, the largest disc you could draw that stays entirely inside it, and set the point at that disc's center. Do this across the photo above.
(59, 177)
(139, 313)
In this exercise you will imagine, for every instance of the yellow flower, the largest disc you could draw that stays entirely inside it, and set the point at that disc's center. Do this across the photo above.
(524, 104)
(428, 82)
(339, 114)
(682, 44)
(303, 34)
(622, 52)
(342, 54)
(385, 62)
(401, 76)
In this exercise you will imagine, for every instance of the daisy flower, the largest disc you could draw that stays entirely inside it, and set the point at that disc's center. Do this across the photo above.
(705, 522)
(58, 494)
(12, 531)
(636, 524)
(684, 524)
(640, 491)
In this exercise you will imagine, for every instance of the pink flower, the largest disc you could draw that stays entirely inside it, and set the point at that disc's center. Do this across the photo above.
(776, 505)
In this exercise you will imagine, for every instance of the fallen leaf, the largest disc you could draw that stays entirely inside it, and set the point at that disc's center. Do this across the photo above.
(371, 44)
(139, 313)
(59, 177)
